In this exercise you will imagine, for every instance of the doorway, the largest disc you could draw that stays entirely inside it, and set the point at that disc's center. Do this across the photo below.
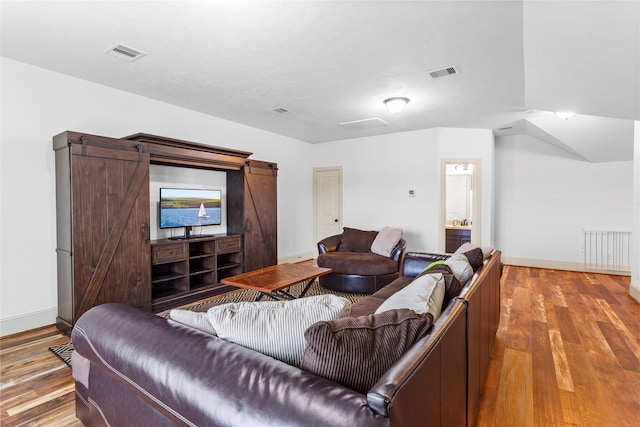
(327, 202)
(460, 203)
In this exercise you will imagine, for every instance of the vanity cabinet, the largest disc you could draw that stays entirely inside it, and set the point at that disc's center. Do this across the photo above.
(455, 237)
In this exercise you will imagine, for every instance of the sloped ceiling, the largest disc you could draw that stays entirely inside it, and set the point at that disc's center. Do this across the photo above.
(334, 62)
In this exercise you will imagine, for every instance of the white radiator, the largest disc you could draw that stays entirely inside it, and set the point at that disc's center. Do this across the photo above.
(606, 250)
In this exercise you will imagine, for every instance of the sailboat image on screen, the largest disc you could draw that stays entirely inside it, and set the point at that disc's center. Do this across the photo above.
(202, 213)
(189, 207)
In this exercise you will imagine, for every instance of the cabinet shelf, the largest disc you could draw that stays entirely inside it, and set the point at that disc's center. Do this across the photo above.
(202, 270)
(226, 266)
(165, 277)
(185, 271)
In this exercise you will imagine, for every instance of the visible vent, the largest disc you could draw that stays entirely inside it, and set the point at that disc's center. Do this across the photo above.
(364, 124)
(506, 128)
(443, 72)
(279, 110)
(125, 52)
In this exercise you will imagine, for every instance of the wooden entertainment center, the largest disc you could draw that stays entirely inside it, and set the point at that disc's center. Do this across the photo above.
(103, 208)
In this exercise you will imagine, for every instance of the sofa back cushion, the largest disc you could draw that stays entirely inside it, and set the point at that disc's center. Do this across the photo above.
(354, 240)
(356, 351)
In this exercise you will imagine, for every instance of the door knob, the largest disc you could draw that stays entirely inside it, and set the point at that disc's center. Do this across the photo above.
(335, 220)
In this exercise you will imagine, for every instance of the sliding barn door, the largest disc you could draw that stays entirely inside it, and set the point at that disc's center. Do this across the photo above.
(253, 211)
(108, 226)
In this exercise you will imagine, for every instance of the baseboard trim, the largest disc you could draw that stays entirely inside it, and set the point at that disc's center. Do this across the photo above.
(296, 258)
(634, 292)
(24, 322)
(557, 265)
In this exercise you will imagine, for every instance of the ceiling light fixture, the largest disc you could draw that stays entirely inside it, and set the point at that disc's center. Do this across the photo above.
(395, 105)
(565, 114)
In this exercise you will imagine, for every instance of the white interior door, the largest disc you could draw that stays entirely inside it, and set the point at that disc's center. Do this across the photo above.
(327, 201)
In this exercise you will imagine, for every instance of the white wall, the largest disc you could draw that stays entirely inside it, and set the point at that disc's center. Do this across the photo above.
(38, 104)
(545, 197)
(635, 250)
(379, 171)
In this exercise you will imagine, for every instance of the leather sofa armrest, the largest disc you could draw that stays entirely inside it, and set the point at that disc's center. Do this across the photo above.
(193, 378)
(437, 358)
(414, 263)
(329, 244)
(399, 250)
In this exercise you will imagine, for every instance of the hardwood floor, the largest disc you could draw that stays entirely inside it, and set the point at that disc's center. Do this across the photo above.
(567, 353)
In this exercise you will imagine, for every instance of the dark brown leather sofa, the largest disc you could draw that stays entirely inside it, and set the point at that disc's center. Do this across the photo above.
(358, 272)
(135, 368)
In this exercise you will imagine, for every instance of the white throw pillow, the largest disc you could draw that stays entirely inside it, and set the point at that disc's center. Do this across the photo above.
(424, 295)
(275, 328)
(193, 319)
(460, 267)
(386, 240)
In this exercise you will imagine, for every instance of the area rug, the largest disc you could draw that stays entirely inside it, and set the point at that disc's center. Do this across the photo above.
(250, 295)
(64, 351)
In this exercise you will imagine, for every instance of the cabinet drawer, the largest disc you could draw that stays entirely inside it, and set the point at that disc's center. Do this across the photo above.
(168, 253)
(228, 245)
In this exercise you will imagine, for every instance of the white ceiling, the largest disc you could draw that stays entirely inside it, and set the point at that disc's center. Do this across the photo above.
(330, 62)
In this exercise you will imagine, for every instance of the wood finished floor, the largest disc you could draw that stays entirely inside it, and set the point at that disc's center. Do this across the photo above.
(567, 353)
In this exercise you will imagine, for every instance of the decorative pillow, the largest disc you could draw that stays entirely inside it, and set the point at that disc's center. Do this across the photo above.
(275, 328)
(354, 240)
(452, 286)
(193, 319)
(475, 257)
(433, 264)
(424, 295)
(465, 247)
(460, 267)
(356, 351)
(386, 240)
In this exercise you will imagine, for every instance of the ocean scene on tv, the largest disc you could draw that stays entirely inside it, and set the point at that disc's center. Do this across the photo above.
(181, 207)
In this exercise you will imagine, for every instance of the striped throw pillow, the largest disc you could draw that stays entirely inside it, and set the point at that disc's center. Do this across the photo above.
(275, 328)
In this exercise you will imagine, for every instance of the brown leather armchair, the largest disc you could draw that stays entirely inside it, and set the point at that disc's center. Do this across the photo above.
(357, 272)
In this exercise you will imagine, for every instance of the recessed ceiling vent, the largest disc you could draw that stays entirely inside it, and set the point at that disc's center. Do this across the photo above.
(125, 52)
(443, 72)
(279, 110)
(364, 124)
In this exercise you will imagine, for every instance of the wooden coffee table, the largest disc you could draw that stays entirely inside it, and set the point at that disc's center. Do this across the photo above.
(272, 281)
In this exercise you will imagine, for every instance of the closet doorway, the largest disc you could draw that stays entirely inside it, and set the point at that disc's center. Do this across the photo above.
(327, 202)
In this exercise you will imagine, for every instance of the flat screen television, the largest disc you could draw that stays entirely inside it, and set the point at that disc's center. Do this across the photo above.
(190, 207)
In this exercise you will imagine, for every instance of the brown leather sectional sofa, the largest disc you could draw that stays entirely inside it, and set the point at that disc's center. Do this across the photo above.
(134, 368)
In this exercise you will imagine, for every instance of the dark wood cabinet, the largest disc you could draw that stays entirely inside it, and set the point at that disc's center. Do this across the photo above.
(455, 237)
(103, 239)
(102, 198)
(252, 197)
(189, 270)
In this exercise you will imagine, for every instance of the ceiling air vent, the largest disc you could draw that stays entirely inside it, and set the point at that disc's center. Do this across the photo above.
(125, 52)
(279, 110)
(443, 72)
(364, 124)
